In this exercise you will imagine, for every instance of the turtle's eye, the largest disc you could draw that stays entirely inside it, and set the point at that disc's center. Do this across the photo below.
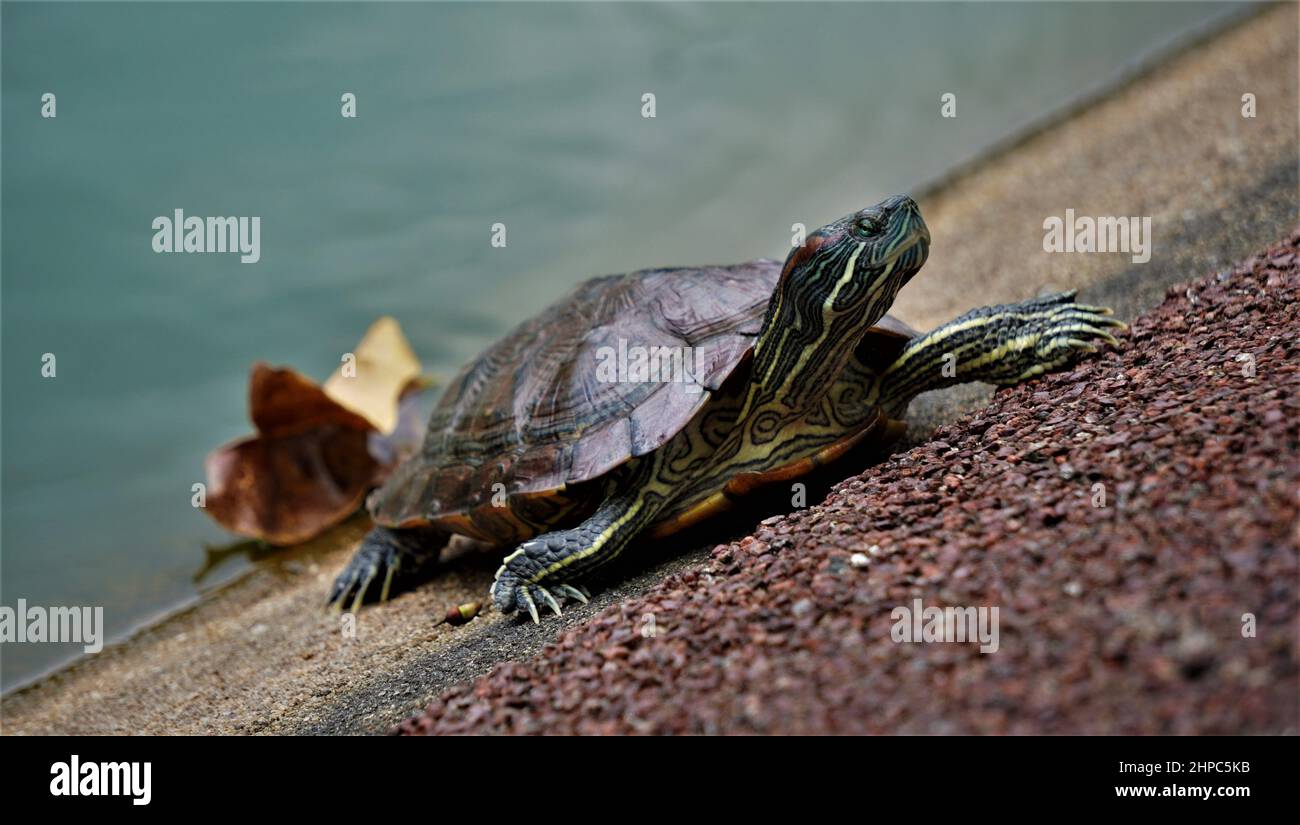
(868, 225)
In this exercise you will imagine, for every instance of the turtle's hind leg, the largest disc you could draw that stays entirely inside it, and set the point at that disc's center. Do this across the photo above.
(388, 562)
(544, 570)
(1003, 345)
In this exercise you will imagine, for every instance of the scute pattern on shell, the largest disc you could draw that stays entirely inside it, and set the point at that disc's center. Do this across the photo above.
(530, 412)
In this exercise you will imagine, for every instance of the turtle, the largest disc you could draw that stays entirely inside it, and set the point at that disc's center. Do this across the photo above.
(561, 445)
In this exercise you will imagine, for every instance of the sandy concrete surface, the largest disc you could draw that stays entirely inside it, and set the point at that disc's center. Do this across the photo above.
(261, 655)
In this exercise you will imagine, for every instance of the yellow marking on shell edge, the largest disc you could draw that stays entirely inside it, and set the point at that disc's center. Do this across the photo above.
(707, 508)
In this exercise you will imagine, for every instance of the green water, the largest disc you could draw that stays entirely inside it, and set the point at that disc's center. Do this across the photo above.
(529, 115)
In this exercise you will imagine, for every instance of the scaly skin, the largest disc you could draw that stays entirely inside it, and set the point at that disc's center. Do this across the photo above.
(1003, 345)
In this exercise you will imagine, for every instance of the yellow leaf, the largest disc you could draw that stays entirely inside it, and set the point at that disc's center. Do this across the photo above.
(371, 381)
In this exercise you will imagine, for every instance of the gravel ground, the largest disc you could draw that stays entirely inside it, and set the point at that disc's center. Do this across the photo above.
(1120, 618)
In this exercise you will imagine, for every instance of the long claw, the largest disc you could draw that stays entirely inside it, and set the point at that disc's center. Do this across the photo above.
(371, 572)
(335, 600)
(393, 559)
(1073, 313)
(550, 601)
(574, 593)
(532, 606)
(1099, 333)
(388, 579)
(335, 604)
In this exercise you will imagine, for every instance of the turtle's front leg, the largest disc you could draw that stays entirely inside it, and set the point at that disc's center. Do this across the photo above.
(543, 570)
(386, 562)
(1003, 345)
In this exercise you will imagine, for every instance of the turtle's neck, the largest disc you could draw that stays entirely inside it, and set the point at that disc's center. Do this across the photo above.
(799, 353)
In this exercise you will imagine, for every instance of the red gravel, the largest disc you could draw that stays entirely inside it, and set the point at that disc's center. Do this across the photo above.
(1125, 618)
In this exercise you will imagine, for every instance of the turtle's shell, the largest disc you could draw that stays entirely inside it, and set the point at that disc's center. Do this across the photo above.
(532, 413)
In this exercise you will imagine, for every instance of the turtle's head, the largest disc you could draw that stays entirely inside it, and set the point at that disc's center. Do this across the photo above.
(856, 265)
(839, 283)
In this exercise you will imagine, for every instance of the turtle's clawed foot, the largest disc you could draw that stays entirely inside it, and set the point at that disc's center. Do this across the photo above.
(1048, 333)
(528, 579)
(387, 562)
(1003, 345)
(508, 595)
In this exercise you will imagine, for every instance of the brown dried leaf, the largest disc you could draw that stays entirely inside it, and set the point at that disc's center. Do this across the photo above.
(282, 401)
(318, 450)
(286, 489)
